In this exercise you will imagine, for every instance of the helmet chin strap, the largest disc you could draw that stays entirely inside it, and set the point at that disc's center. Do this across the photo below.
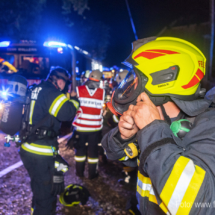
(166, 117)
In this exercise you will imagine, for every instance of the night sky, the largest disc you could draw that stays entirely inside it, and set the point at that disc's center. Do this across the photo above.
(150, 17)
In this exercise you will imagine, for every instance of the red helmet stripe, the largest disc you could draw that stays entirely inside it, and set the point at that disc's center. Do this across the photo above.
(148, 55)
(192, 82)
(195, 80)
(200, 74)
(162, 51)
(153, 53)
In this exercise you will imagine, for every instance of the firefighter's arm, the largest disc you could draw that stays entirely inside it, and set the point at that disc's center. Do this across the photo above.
(62, 108)
(178, 181)
(114, 147)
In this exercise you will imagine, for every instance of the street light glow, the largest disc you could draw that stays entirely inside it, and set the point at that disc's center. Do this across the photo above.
(76, 47)
(60, 50)
(85, 52)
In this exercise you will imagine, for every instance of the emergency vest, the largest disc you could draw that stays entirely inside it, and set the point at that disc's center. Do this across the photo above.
(89, 116)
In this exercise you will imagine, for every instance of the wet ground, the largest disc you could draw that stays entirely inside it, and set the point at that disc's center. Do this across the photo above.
(107, 196)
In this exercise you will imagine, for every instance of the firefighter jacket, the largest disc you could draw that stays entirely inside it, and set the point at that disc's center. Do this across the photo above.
(46, 100)
(89, 116)
(175, 176)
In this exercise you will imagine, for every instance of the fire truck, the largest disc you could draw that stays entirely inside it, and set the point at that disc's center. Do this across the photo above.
(33, 60)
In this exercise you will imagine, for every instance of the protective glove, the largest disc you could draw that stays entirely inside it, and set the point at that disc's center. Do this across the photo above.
(115, 146)
(60, 167)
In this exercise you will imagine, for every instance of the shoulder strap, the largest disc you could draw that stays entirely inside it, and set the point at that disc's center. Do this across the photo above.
(166, 117)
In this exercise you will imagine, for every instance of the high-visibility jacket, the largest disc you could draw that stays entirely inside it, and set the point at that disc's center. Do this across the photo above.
(175, 176)
(89, 116)
(47, 100)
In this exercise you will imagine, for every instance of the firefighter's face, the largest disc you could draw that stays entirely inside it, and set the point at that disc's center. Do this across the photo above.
(61, 84)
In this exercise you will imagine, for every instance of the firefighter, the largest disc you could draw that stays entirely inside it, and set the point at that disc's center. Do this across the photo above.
(48, 107)
(88, 123)
(176, 172)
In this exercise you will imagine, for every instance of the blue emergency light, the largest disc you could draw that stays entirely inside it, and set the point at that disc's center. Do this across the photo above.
(54, 44)
(4, 43)
(4, 94)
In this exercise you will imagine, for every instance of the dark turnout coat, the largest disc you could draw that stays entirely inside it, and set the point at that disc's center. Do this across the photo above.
(175, 176)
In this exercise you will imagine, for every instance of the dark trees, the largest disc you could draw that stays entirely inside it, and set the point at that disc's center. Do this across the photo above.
(31, 20)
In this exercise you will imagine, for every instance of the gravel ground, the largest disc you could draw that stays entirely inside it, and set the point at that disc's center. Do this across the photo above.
(107, 196)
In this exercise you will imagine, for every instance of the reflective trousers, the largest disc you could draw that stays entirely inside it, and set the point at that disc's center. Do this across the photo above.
(40, 169)
(87, 152)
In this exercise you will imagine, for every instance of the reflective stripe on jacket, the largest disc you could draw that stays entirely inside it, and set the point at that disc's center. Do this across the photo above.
(38, 149)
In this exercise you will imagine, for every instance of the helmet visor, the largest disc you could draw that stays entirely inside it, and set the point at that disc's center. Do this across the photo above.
(128, 91)
(128, 88)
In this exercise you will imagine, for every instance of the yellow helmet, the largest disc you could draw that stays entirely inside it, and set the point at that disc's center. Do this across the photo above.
(73, 195)
(173, 66)
(164, 68)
